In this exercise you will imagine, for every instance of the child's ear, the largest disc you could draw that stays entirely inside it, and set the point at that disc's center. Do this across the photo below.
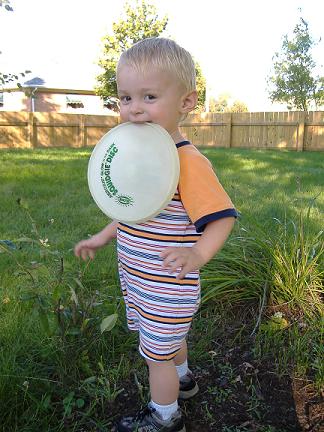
(189, 102)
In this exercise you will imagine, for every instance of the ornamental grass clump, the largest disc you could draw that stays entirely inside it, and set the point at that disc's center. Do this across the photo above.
(280, 264)
(297, 268)
(240, 271)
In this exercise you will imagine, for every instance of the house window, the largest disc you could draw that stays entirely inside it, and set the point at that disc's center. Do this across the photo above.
(73, 102)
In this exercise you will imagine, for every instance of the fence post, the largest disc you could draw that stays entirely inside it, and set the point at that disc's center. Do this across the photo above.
(228, 129)
(300, 132)
(82, 131)
(32, 131)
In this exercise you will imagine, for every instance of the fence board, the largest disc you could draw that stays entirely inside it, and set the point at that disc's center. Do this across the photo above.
(292, 130)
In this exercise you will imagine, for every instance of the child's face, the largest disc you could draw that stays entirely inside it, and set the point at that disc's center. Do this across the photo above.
(153, 96)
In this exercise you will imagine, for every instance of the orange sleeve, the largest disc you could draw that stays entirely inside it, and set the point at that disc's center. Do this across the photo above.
(201, 193)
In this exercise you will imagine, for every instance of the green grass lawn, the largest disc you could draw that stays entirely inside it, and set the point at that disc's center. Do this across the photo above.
(262, 184)
(61, 376)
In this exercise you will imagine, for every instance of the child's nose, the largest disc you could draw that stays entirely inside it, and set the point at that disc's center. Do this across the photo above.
(136, 108)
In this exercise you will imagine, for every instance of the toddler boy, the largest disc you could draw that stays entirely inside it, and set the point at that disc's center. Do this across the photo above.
(159, 260)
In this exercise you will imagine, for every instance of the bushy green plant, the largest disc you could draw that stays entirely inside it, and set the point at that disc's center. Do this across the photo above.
(297, 270)
(64, 305)
(54, 318)
(281, 263)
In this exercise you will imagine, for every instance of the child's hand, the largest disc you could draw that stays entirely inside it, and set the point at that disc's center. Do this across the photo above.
(87, 248)
(185, 258)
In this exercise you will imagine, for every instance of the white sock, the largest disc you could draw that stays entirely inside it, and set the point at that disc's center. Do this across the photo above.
(164, 411)
(182, 369)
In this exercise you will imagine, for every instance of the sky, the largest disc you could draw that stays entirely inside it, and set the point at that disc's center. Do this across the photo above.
(234, 41)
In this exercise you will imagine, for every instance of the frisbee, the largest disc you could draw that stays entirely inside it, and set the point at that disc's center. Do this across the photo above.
(133, 172)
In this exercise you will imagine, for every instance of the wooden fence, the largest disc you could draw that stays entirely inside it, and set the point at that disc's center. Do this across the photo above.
(278, 130)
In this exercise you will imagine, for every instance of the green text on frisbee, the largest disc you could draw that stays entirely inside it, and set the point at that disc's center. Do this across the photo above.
(106, 180)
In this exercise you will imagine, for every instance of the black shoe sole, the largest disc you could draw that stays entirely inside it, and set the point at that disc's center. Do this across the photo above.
(188, 394)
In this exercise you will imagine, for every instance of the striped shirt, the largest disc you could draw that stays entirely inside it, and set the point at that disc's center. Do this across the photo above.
(158, 305)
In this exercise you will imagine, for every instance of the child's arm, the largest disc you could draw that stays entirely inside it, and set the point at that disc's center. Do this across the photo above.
(87, 248)
(193, 258)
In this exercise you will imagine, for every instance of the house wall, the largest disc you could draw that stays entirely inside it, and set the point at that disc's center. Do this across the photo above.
(14, 101)
(53, 102)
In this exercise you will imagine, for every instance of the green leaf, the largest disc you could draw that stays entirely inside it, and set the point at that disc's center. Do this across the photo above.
(108, 323)
(85, 323)
(74, 296)
(90, 380)
(25, 240)
(27, 296)
(79, 283)
(58, 292)
(80, 403)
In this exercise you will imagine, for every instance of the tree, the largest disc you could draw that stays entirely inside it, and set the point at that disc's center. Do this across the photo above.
(7, 78)
(6, 4)
(201, 88)
(140, 22)
(292, 81)
(222, 104)
(320, 93)
(238, 107)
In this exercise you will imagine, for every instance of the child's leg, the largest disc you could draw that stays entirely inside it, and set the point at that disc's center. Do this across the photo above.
(162, 413)
(182, 354)
(188, 385)
(164, 382)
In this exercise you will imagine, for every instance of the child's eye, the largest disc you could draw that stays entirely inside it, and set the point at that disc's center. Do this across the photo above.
(125, 99)
(149, 97)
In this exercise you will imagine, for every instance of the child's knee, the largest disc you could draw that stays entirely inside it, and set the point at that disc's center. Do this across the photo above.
(152, 364)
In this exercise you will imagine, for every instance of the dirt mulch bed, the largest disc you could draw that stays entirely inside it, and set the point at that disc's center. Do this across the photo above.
(241, 395)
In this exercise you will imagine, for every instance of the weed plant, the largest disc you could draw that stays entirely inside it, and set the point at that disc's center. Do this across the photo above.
(55, 350)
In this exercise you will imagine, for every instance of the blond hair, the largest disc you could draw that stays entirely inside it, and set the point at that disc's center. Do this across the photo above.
(163, 54)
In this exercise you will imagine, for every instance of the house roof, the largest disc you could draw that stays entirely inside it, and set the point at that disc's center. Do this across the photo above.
(39, 85)
(43, 89)
(34, 82)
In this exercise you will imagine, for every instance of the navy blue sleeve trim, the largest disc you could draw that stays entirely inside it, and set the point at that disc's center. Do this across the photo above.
(182, 143)
(201, 223)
